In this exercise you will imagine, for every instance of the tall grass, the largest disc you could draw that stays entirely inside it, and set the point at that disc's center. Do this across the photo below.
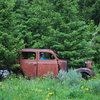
(61, 88)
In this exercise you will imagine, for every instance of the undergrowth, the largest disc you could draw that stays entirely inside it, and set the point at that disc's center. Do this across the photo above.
(67, 86)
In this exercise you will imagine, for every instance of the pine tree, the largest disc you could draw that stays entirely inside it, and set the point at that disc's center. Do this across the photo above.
(49, 24)
(96, 42)
(54, 25)
(9, 45)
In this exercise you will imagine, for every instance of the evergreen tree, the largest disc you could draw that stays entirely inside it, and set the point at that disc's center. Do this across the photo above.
(59, 25)
(90, 10)
(96, 42)
(9, 45)
(55, 25)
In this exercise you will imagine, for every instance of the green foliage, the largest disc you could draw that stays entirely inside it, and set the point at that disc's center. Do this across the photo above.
(96, 42)
(75, 93)
(48, 89)
(8, 51)
(61, 25)
(95, 87)
(43, 25)
(92, 86)
(8, 43)
(89, 10)
(96, 45)
(71, 77)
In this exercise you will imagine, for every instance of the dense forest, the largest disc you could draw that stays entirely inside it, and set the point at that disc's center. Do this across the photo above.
(69, 27)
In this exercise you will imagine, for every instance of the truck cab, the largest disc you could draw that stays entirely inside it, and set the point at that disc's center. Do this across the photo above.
(33, 66)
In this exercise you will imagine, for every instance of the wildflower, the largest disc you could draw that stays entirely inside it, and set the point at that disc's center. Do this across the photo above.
(82, 87)
(94, 79)
(51, 93)
(46, 99)
(48, 88)
(86, 89)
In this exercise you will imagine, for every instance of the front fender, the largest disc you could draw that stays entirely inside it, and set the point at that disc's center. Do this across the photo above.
(85, 70)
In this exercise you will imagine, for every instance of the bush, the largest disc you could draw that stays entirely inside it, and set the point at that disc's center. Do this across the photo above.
(71, 77)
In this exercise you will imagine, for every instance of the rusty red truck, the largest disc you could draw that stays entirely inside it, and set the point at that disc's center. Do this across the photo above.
(32, 65)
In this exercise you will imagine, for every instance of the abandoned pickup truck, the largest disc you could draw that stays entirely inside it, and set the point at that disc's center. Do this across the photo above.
(38, 62)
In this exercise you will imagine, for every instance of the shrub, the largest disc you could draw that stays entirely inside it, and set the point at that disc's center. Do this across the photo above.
(71, 77)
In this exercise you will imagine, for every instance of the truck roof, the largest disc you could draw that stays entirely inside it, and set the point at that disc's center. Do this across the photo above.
(31, 50)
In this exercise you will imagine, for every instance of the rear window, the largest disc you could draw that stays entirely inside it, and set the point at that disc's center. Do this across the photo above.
(29, 55)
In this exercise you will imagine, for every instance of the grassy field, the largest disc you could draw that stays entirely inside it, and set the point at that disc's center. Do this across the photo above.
(70, 87)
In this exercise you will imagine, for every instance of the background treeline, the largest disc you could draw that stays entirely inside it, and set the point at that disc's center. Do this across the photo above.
(69, 27)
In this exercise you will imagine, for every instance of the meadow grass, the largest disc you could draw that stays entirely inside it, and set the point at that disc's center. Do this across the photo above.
(49, 89)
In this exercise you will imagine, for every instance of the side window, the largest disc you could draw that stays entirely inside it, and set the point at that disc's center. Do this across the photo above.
(29, 55)
(46, 56)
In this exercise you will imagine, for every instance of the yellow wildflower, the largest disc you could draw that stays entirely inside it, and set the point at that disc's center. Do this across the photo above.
(48, 88)
(94, 79)
(82, 87)
(86, 89)
(51, 93)
(46, 99)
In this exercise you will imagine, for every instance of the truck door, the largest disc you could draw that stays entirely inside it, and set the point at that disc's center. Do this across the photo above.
(29, 64)
(47, 63)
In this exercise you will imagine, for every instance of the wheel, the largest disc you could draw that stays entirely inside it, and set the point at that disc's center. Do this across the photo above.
(85, 76)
